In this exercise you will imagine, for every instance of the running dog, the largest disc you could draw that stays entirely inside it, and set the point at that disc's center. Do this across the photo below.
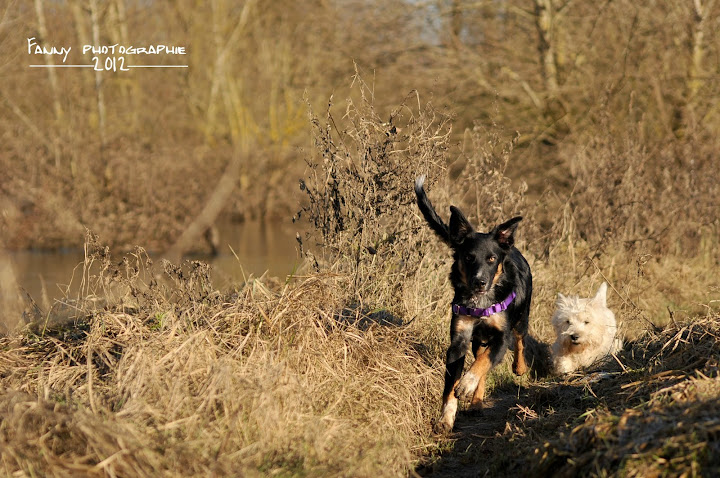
(493, 288)
(586, 331)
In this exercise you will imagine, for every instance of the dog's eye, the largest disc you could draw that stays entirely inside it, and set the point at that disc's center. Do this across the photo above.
(491, 259)
(470, 258)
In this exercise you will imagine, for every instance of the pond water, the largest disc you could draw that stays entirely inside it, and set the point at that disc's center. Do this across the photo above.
(260, 248)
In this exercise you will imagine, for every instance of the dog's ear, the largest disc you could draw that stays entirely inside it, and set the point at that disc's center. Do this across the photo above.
(460, 227)
(601, 296)
(504, 233)
(560, 299)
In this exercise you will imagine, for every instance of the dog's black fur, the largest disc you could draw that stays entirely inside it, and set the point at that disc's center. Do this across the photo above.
(487, 268)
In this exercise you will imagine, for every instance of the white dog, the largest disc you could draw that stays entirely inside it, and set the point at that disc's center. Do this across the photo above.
(586, 331)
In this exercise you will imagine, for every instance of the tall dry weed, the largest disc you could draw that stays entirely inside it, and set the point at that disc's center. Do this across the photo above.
(362, 207)
(638, 215)
(359, 190)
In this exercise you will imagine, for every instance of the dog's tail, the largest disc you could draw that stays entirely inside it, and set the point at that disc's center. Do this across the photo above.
(428, 211)
(538, 357)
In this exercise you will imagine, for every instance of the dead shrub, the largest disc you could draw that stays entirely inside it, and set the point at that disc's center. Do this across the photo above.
(359, 189)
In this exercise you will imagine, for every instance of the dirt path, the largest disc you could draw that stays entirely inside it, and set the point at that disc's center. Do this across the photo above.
(478, 437)
(650, 412)
(518, 430)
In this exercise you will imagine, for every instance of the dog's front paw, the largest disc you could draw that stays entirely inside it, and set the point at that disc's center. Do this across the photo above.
(446, 421)
(443, 426)
(467, 386)
(563, 365)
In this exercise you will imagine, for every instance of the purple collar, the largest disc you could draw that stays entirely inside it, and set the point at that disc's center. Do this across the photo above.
(493, 309)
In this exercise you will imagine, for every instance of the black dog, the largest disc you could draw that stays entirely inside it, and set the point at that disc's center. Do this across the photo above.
(493, 288)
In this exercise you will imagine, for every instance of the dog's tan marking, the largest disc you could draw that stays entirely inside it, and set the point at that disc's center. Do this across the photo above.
(497, 321)
(498, 274)
(464, 324)
(519, 366)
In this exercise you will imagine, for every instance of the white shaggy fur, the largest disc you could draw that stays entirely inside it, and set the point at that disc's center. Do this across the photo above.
(586, 331)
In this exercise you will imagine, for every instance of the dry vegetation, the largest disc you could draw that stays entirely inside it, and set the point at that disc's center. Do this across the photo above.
(598, 122)
(133, 155)
(337, 370)
(182, 380)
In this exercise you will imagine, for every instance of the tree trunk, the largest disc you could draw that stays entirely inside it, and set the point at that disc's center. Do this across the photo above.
(52, 76)
(100, 95)
(545, 24)
(693, 79)
(10, 299)
(206, 218)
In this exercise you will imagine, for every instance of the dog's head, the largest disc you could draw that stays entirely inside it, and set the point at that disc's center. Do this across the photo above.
(581, 321)
(479, 256)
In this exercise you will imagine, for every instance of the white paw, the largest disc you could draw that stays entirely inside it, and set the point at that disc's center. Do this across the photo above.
(447, 418)
(563, 366)
(467, 386)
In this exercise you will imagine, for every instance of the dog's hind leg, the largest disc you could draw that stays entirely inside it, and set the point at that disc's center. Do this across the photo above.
(520, 321)
(519, 366)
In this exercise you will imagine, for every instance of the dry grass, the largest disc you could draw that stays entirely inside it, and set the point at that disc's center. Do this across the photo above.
(657, 417)
(152, 371)
(190, 382)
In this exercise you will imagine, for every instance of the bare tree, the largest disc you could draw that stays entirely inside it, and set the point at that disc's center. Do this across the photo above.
(52, 76)
(695, 72)
(547, 24)
(100, 94)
